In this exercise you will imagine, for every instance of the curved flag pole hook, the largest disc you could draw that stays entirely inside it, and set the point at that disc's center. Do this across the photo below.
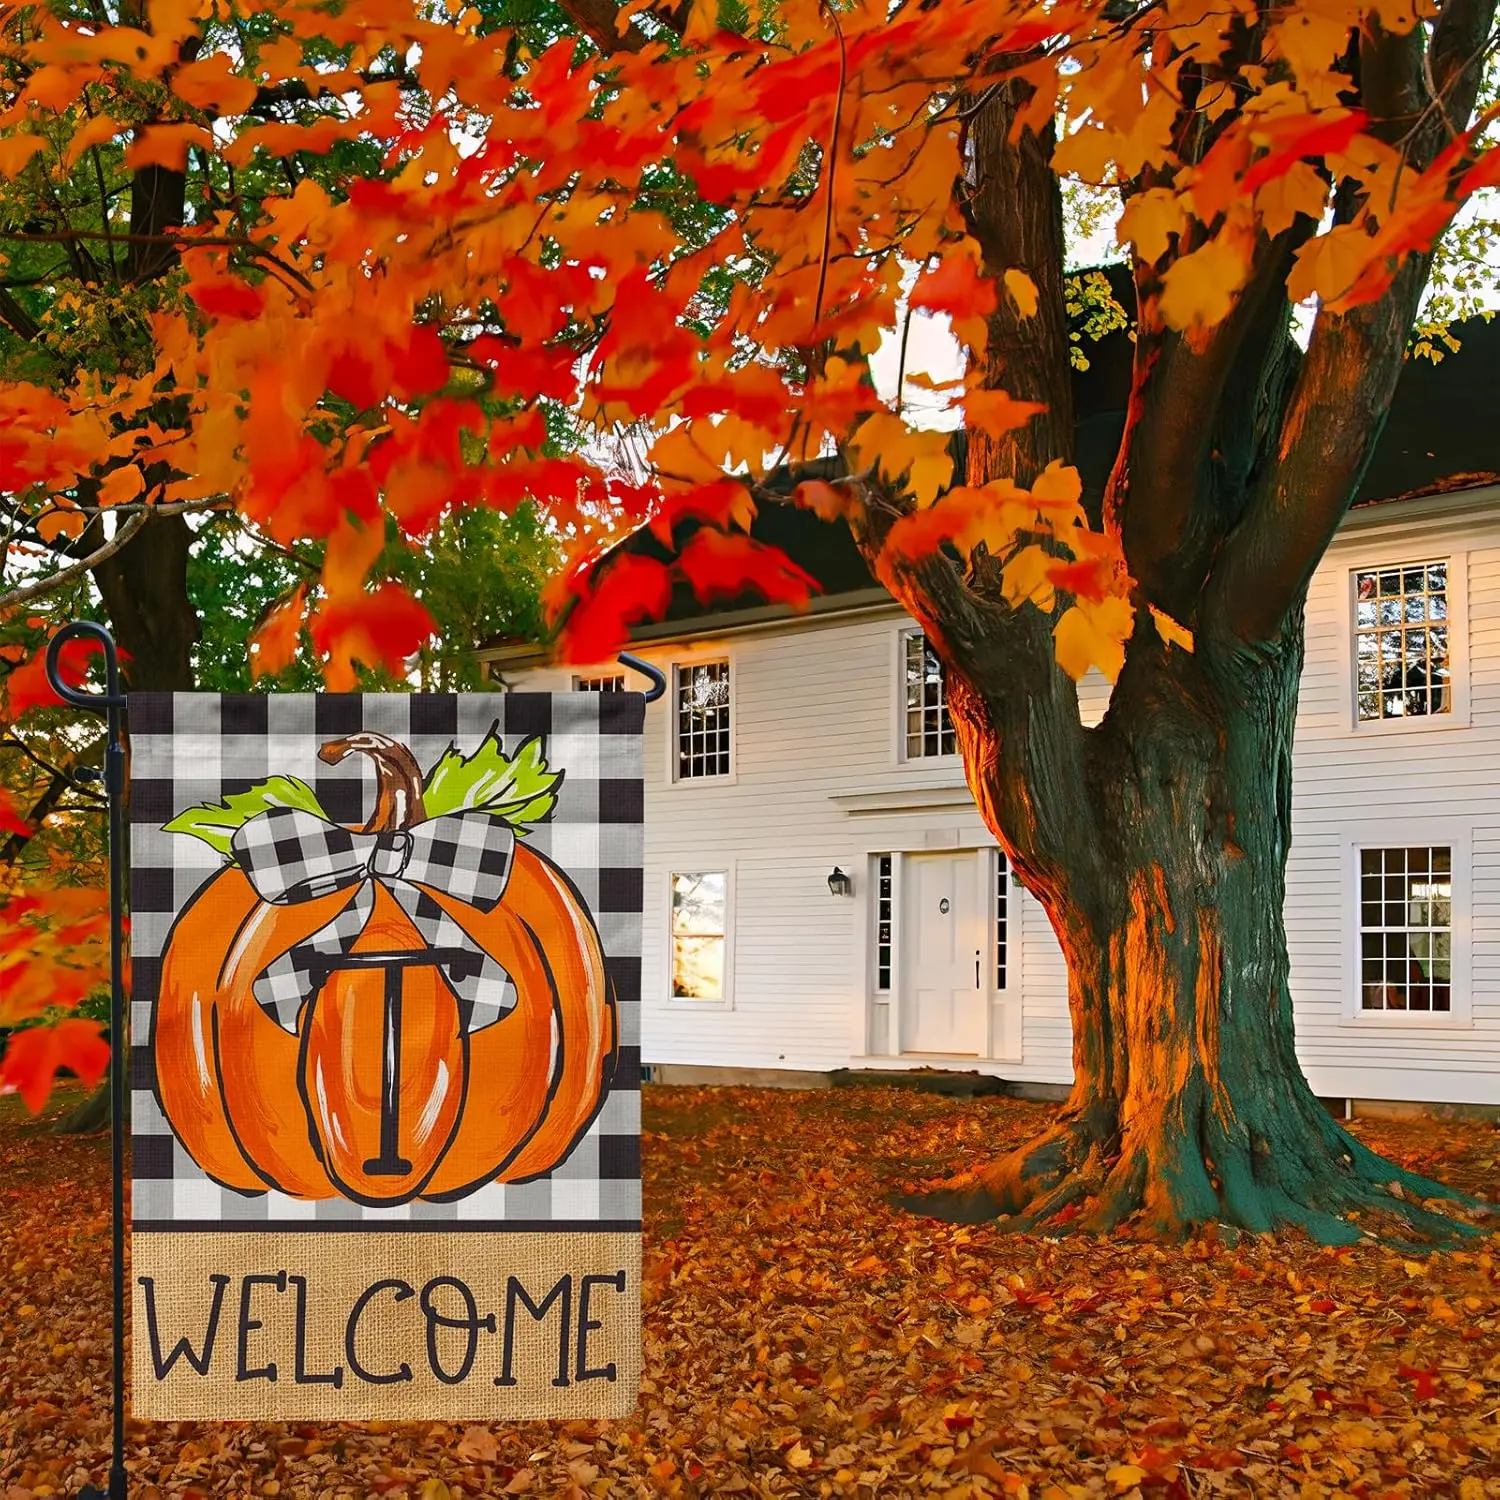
(112, 702)
(657, 677)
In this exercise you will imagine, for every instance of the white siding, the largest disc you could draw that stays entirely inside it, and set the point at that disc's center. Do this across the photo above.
(1386, 783)
(819, 781)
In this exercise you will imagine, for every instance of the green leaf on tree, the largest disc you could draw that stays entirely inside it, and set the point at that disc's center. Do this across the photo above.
(519, 788)
(215, 822)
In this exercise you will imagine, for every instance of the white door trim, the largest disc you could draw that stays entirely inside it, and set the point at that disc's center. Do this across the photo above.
(951, 947)
(1004, 1030)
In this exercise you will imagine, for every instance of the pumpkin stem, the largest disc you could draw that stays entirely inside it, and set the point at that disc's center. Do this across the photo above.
(398, 779)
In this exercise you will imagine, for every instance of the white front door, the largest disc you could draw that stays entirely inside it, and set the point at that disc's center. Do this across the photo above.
(944, 1002)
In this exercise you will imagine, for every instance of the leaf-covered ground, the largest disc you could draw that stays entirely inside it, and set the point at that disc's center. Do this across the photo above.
(803, 1339)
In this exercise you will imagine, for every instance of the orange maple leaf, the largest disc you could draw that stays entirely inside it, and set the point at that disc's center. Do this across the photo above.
(35, 1056)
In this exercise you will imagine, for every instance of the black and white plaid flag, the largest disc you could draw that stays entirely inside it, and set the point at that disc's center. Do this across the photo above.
(385, 1062)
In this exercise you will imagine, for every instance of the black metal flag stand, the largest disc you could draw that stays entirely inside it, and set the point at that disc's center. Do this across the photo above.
(112, 703)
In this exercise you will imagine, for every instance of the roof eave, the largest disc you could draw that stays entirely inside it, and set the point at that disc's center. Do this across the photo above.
(735, 621)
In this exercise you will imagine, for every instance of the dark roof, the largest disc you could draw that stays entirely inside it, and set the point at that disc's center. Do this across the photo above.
(823, 549)
(1441, 434)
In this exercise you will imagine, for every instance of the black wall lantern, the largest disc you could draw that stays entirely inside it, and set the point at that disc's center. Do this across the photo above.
(839, 883)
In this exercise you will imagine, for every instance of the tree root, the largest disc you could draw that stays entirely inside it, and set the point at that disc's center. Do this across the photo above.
(1162, 1178)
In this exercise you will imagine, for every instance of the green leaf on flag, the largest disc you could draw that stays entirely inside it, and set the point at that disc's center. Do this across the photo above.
(518, 788)
(215, 822)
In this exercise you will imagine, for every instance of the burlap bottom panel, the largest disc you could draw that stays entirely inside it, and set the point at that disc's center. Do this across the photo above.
(328, 1327)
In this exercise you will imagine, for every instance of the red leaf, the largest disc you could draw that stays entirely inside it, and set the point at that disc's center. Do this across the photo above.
(10, 820)
(719, 503)
(528, 372)
(228, 297)
(27, 687)
(1424, 1382)
(630, 588)
(385, 628)
(956, 287)
(722, 564)
(422, 366)
(1294, 136)
(35, 1056)
(1086, 578)
(351, 379)
(354, 490)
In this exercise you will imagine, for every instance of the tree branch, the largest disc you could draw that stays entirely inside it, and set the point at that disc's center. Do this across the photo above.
(1456, 58)
(1015, 710)
(58, 784)
(295, 91)
(598, 21)
(16, 318)
(1348, 377)
(1014, 211)
(66, 575)
(1194, 427)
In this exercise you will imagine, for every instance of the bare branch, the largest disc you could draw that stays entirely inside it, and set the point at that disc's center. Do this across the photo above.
(55, 581)
(153, 507)
(596, 19)
(16, 318)
(175, 242)
(831, 161)
(294, 91)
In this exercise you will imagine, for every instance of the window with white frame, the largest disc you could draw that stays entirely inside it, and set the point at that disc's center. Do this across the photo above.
(885, 914)
(1406, 929)
(1401, 646)
(702, 719)
(700, 928)
(929, 730)
(1002, 919)
(613, 683)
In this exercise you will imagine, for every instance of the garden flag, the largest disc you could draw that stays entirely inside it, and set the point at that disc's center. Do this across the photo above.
(386, 1074)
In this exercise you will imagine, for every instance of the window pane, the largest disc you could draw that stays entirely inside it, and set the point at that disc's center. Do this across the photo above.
(1002, 919)
(698, 968)
(703, 719)
(884, 914)
(929, 731)
(1400, 641)
(1406, 920)
(698, 903)
(699, 912)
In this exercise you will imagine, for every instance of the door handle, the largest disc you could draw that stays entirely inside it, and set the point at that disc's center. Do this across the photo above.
(976, 968)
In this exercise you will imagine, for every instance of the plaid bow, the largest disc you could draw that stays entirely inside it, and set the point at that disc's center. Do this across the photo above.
(290, 856)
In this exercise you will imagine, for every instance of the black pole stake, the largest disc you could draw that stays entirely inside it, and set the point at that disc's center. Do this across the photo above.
(112, 701)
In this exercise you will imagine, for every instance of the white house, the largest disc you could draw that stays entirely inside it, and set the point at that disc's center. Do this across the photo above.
(792, 746)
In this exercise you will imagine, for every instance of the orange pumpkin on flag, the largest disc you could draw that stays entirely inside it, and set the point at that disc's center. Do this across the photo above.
(330, 1019)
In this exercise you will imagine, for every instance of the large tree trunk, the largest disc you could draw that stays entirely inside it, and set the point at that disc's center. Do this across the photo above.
(1188, 1106)
(145, 592)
